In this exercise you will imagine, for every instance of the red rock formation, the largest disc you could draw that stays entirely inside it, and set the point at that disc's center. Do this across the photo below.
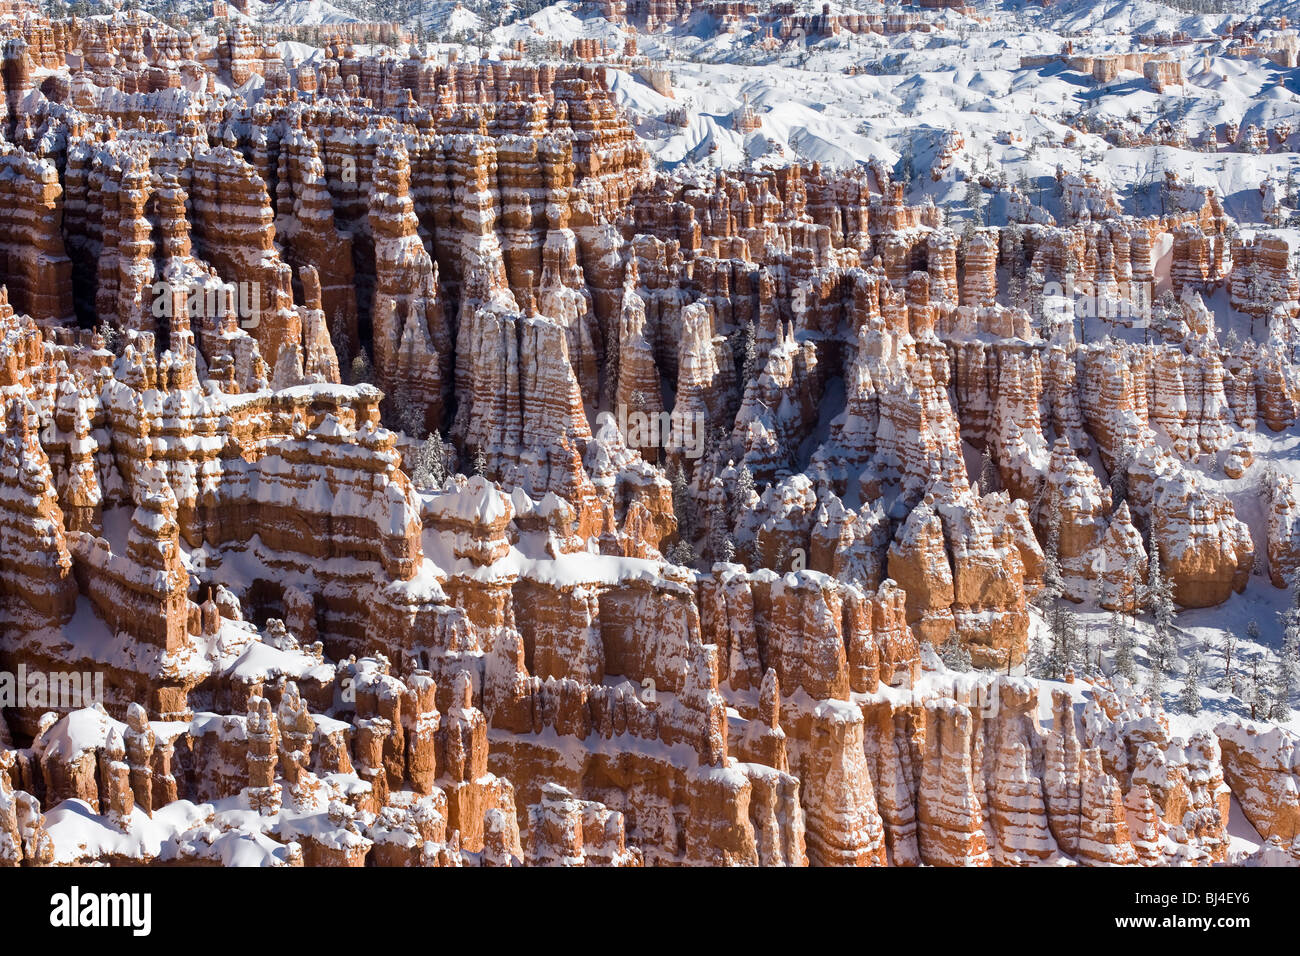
(412, 344)
(950, 820)
(1261, 768)
(1207, 550)
(35, 267)
(503, 669)
(1122, 566)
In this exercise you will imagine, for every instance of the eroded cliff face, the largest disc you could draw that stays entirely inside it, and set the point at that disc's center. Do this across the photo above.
(232, 320)
(955, 771)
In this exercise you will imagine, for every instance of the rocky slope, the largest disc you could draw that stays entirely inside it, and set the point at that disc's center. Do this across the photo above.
(426, 471)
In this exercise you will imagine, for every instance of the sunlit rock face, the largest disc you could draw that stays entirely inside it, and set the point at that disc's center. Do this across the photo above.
(416, 468)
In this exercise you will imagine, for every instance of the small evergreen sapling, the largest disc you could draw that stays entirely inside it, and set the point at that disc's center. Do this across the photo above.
(1190, 698)
(1226, 648)
(1282, 687)
(1257, 698)
(1124, 641)
(954, 655)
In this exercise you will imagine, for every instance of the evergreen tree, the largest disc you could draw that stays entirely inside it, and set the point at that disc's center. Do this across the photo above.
(1257, 698)
(1034, 285)
(716, 447)
(339, 339)
(430, 464)
(988, 471)
(1252, 630)
(1227, 684)
(681, 553)
(112, 337)
(682, 505)
(744, 487)
(954, 655)
(749, 356)
(1155, 684)
(1166, 313)
(718, 533)
(1291, 616)
(1069, 268)
(1190, 698)
(1124, 642)
(975, 200)
(1016, 291)
(1084, 651)
(1158, 599)
(781, 564)
(480, 461)
(1283, 684)
(1036, 662)
(1132, 584)
(1119, 481)
(1053, 580)
(1232, 342)
(408, 414)
(1063, 649)
(362, 371)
